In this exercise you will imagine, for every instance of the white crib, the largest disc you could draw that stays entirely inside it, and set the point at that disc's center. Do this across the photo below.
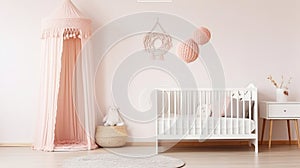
(205, 114)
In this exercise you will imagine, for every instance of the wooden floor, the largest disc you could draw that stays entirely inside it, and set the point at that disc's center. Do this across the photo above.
(212, 156)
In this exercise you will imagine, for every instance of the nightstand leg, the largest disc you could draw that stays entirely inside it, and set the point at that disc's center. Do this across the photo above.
(297, 132)
(270, 133)
(263, 131)
(289, 131)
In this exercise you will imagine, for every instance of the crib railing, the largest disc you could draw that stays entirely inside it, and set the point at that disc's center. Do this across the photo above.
(207, 113)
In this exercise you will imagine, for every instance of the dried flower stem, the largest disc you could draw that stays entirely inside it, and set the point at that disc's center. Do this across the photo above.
(289, 82)
(281, 86)
(282, 79)
(273, 81)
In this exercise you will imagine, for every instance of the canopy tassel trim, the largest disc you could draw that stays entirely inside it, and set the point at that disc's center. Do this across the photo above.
(66, 33)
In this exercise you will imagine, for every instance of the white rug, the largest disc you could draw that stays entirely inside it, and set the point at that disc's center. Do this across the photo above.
(115, 161)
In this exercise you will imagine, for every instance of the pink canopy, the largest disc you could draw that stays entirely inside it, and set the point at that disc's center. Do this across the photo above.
(67, 113)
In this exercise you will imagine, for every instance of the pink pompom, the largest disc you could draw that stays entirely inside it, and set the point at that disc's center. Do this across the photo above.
(202, 36)
(188, 51)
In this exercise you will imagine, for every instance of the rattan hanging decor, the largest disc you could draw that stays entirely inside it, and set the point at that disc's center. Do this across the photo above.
(157, 44)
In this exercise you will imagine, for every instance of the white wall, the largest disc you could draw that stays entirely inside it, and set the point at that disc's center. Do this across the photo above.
(253, 39)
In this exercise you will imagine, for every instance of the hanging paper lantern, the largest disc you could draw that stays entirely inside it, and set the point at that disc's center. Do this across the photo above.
(188, 51)
(202, 36)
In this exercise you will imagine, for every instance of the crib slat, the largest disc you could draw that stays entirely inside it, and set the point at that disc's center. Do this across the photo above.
(206, 102)
(184, 112)
(174, 126)
(163, 113)
(225, 111)
(181, 113)
(191, 118)
(194, 109)
(188, 113)
(237, 111)
(191, 113)
(219, 110)
(244, 112)
(231, 113)
(213, 109)
(169, 112)
(200, 112)
(250, 112)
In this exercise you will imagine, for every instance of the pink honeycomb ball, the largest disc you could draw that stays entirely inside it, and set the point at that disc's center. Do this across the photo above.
(188, 51)
(202, 36)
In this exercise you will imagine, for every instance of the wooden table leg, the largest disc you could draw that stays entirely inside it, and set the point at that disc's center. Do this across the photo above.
(270, 133)
(263, 131)
(289, 131)
(297, 131)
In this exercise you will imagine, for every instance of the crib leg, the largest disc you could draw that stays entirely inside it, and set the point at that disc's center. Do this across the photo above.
(255, 143)
(256, 146)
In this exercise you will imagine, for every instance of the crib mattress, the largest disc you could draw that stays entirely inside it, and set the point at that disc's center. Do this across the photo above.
(210, 125)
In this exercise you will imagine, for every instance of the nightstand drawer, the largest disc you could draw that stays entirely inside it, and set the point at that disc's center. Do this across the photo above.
(279, 110)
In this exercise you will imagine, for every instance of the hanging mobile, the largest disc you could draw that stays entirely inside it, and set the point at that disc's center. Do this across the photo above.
(157, 43)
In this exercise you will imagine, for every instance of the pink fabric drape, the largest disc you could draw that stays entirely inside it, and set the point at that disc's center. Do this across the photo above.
(51, 66)
(85, 94)
(68, 129)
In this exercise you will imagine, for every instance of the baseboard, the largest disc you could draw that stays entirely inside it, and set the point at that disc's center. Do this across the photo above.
(195, 143)
(15, 144)
(184, 143)
(140, 143)
(280, 142)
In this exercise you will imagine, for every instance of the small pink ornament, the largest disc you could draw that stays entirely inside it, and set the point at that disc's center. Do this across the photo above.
(188, 51)
(202, 36)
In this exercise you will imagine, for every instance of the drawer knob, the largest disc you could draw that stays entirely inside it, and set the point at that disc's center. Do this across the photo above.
(284, 111)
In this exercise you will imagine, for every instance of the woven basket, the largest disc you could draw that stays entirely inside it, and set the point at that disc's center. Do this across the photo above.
(111, 136)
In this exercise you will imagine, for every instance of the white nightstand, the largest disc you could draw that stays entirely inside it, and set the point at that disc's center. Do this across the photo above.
(280, 111)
